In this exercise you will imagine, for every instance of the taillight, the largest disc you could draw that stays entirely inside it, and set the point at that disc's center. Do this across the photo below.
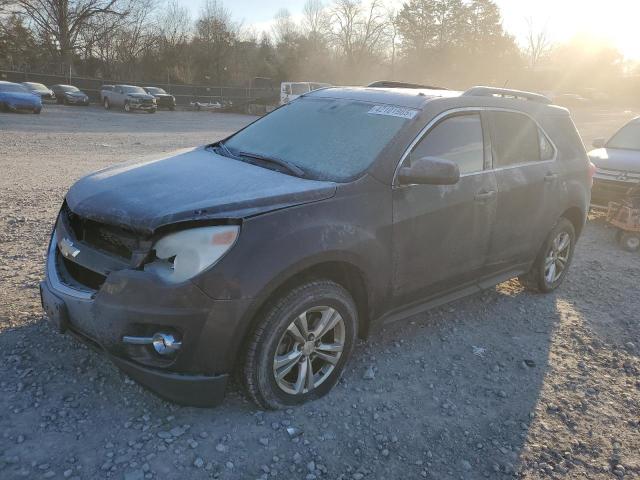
(592, 171)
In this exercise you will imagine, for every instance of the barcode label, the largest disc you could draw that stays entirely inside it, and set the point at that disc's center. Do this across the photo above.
(392, 111)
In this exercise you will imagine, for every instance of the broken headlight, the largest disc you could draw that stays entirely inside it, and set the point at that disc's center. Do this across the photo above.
(182, 255)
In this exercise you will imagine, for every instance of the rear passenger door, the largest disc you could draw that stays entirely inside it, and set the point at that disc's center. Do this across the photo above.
(524, 162)
(441, 233)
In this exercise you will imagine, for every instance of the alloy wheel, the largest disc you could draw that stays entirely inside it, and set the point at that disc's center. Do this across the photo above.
(309, 350)
(557, 258)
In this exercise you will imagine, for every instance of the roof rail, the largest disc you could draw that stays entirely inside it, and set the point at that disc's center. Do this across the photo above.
(394, 84)
(506, 93)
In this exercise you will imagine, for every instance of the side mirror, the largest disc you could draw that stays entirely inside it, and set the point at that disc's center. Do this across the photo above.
(599, 143)
(430, 171)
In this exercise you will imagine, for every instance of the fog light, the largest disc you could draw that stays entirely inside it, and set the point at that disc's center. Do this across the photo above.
(165, 343)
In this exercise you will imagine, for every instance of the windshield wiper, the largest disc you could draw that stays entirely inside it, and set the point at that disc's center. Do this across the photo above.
(292, 168)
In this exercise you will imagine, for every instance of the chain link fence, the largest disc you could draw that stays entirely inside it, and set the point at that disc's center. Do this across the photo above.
(240, 97)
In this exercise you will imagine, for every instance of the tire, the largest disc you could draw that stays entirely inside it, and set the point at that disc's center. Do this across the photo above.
(60, 101)
(107, 104)
(317, 300)
(37, 111)
(172, 109)
(540, 278)
(630, 241)
(127, 107)
(153, 110)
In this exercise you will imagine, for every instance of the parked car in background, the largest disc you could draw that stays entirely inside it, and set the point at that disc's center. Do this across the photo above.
(70, 95)
(291, 90)
(617, 164)
(270, 252)
(129, 98)
(16, 97)
(103, 90)
(46, 94)
(163, 99)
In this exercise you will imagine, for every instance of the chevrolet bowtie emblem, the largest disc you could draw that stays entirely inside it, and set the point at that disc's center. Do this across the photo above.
(67, 248)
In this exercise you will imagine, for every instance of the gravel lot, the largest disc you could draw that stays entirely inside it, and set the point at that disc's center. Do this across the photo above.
(501, 385)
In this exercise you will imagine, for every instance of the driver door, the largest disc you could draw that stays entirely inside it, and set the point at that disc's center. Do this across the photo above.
(441, 233)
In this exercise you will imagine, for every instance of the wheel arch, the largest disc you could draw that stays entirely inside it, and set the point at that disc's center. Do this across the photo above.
(577, 218)
(342, 272)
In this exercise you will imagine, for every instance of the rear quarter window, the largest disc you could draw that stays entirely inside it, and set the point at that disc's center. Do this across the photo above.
(564, 134)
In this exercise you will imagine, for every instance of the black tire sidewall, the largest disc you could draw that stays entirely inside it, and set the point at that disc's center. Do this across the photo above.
(279, 318)
(563, 225)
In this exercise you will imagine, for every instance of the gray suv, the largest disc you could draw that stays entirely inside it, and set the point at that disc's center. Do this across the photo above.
(270, 252)
(129, 98)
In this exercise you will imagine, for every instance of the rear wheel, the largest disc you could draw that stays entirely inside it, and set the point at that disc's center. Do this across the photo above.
(630, 241)
(37, 110)
(553, 260)
(299, 349)
(107, 105)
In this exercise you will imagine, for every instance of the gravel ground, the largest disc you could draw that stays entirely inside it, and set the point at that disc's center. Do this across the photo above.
(505, 384)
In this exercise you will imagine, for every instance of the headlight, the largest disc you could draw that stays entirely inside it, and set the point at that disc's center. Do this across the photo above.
(184, 254)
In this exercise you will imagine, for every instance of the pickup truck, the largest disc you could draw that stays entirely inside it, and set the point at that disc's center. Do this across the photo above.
(129, 98)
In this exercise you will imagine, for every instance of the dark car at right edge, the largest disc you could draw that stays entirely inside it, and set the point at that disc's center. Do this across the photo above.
(268, 253)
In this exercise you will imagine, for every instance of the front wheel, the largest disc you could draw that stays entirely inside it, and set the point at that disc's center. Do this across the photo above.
(37, 110)
(107, 105)
(553, 260)
(153, 110)
(127, 107)
(299, 348)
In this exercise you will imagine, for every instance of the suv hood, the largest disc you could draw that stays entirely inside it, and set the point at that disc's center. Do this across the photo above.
(616, 159)
(196, 184)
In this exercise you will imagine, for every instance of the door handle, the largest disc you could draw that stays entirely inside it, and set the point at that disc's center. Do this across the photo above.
(550, 177)
(484, 196)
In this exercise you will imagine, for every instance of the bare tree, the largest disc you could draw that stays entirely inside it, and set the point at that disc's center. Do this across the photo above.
(61, 22)
(284, 28)
(315, 19)
(358, 31)
(538, 43)
(174, 24)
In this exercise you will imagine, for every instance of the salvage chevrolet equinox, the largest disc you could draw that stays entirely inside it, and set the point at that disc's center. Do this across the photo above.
(268, 253)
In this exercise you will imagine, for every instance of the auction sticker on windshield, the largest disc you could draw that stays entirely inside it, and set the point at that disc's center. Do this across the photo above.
(392, 111)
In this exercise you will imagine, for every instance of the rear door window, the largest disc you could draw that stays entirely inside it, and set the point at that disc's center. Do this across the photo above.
(457, 138)
(516, 139)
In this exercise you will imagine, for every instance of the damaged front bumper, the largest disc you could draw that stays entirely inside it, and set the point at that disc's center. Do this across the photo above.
(134, 303)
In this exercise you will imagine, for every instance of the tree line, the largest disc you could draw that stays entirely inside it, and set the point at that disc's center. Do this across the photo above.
(452, 43)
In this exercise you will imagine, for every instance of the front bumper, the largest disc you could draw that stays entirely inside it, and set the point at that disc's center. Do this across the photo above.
(135, 303)
(77, 100)
(143, 106)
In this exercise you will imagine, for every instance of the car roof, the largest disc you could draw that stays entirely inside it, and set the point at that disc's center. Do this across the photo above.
(2, 82)
(418, 98)
(402, 97)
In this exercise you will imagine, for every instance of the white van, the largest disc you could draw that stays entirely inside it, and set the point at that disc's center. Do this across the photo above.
(292, 90)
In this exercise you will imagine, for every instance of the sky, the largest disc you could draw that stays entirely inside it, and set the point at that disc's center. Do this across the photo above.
(616, 21)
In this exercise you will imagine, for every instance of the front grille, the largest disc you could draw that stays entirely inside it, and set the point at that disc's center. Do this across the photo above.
(83, 276)
(110, 239)
(147, 102)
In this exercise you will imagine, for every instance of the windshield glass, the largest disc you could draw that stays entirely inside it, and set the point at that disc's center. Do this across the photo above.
(327, 138)
(155, 90)
(628, 138)
(68, 88)
(12, 87)
(127, 89)
(35, 86)
(299, 88)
